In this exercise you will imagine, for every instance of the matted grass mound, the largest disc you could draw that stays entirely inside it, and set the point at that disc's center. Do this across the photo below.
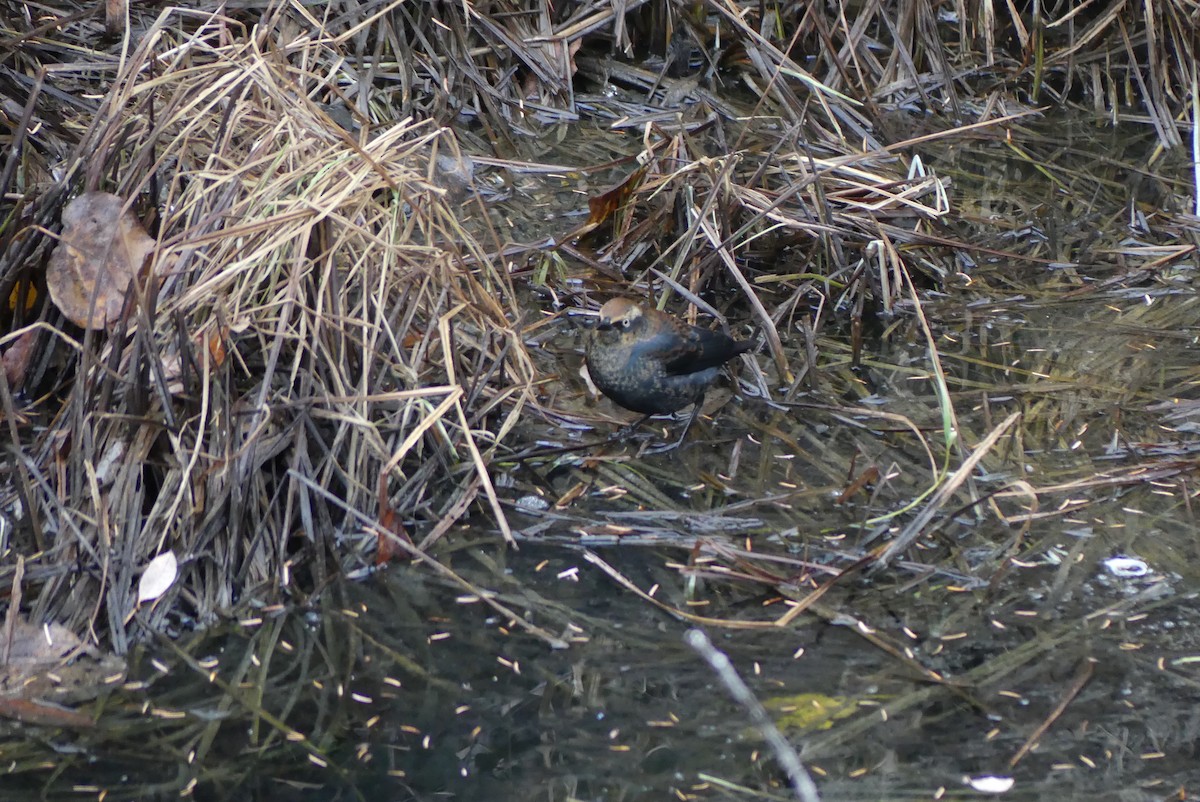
(326, 348)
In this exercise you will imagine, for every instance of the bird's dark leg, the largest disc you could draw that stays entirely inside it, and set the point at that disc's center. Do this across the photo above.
(687, 427)
(626, 431)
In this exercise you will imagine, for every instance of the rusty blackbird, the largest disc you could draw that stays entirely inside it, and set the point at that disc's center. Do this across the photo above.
(650, 362)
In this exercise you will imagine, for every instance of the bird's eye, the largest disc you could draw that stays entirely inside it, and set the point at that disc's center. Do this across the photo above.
(626, 323)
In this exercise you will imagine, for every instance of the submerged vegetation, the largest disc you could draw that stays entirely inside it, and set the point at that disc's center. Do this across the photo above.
(350, 338)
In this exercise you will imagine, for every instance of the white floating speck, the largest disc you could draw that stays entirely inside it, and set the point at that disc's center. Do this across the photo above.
(1124, 567)
(990, 784)
(533, 503)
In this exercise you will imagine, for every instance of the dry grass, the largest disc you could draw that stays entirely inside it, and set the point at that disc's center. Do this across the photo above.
(337, 343)
(326, 327)
(346, 350)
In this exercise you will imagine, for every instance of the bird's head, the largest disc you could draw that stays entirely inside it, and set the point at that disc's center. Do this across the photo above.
(620, 314)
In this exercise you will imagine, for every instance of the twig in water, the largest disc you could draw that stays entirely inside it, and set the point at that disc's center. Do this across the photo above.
(802, 784)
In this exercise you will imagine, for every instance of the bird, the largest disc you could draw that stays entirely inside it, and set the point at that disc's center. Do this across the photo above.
(650, 362)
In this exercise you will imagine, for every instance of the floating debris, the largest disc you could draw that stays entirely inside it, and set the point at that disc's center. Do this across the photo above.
(990, 784)
(1125, 567)
(532, 503)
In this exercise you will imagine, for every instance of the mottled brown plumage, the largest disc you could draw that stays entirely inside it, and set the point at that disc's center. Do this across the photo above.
(650, 362)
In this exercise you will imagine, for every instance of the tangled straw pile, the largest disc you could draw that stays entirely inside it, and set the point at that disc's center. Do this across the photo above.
(327, 347)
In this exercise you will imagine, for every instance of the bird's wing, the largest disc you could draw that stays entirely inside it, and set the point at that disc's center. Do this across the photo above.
(700, 349)
(674, 352)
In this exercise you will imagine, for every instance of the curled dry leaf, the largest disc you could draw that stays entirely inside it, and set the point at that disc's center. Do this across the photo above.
(605, 205)
(100, 252)
(37, 681)
(213, 341)
(34, 645)
(15, 361)
(158, 577)
(391, 529)
(216, 345)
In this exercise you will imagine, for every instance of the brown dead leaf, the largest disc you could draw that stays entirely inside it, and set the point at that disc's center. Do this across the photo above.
(568, 498)
(37, 682)
(45, 714)
(216, 345)
(557, 52)
(392, 531)
(101, 250)
(15, 361)
(212, 339)
(33, 645)
(604, 205)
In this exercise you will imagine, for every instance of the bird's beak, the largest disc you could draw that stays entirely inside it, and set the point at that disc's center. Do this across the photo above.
(603, 325)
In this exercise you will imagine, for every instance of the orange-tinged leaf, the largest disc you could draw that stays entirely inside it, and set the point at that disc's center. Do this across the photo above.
(101, 251)
(214, 341)
(865, 479)
(394, 533)
(216, 346)
(14, 299)
(603, 206)
(568, 498)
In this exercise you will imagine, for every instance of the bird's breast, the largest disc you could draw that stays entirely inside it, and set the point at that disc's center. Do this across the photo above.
(634, 378)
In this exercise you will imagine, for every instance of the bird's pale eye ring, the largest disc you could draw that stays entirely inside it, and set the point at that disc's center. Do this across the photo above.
(626, 323)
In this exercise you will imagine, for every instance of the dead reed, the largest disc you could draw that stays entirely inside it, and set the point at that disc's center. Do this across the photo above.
(336, 347)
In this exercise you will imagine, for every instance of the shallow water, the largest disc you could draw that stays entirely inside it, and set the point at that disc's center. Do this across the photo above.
(1005, 643)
